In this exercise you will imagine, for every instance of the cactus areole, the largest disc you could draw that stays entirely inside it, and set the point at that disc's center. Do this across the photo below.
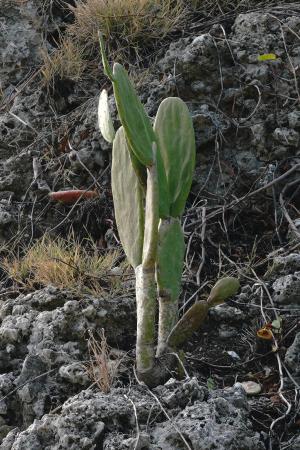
(152, 171)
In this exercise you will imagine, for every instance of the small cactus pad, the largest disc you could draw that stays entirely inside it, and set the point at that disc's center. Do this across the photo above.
(104, 118)
(174, 128)
(188, 324)
(128, 200)
(223, 289)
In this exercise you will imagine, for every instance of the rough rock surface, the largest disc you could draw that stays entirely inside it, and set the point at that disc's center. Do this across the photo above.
(90, 420)
(246, 116)
(292, 356)
(43, 347)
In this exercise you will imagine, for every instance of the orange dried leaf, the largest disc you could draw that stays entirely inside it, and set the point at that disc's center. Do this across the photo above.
(69, 197)
(265, 333)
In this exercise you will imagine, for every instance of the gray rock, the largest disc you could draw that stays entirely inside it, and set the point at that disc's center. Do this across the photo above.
(287, 289)
(286, 264)
(20, 41)
(292, 356)
(75, 373)
(219, 423)
(286, 136)
(43, 337)
(294, 120)
(294, 231)
(225, 313)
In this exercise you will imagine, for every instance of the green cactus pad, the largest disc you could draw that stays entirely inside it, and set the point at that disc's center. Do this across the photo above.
(104, 118)
(134, 119)
(170, 258)
(223, 289)
(188, 324)
(139, 131)
(128, 200)
(174, 128)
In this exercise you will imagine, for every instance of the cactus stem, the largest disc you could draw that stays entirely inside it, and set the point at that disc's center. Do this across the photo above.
(151, 215)
(146, 310)
(107, 70)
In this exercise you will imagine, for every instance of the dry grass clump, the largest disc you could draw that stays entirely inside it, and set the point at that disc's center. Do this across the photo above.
(68, 61)
(128, 26)
(125, 22)
(102, 368)
(67, 264)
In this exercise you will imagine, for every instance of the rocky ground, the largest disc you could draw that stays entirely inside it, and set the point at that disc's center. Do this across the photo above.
(242, 219)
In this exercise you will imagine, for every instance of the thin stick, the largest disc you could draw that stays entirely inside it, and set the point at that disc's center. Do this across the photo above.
(136, 422)
(202, 245)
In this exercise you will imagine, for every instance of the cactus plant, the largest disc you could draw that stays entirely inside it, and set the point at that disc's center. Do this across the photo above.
(152, 171)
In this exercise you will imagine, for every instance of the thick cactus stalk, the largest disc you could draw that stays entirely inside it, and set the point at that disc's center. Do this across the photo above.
(146, 311)
(168, 275)
(145, 279)
(151, 215)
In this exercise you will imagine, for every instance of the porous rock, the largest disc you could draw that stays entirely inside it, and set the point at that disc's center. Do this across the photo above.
(43, 343)
(287, 289)
(292, 356)
(92, 419)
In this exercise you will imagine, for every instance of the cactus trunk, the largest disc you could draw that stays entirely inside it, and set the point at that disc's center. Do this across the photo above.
(145, 279)
(146, 311)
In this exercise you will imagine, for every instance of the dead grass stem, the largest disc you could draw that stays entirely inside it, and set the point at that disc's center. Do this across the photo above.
(102, 369)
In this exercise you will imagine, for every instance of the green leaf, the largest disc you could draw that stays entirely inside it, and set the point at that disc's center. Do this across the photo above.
(104, 118)
(267, 57)
(140, 170)
(210, 384)
(174, 128)
(277, 323)
(128, 200)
